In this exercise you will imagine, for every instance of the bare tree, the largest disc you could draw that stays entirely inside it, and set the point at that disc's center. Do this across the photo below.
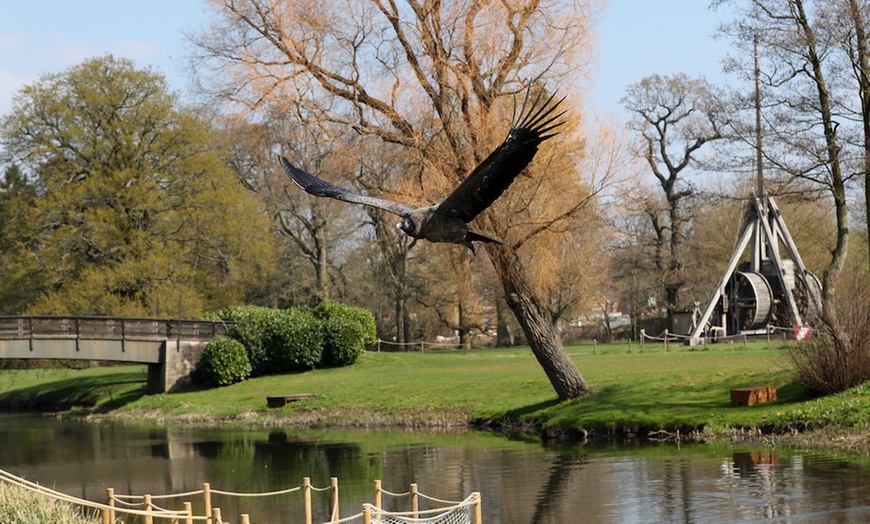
(434, 78)
(675, 117)
(800, 77)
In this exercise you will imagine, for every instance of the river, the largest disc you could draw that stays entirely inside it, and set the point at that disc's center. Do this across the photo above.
(520, 481)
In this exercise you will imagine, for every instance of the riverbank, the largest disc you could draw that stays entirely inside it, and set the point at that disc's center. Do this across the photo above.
(681, 391)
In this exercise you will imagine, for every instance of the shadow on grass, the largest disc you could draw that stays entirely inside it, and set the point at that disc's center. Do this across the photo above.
(530, 409)
(104, 392)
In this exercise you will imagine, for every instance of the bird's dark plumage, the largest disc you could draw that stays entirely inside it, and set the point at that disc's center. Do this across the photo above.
(448, 220)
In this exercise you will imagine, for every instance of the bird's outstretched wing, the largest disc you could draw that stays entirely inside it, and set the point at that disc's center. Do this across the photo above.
(317, 187)
(487, 181)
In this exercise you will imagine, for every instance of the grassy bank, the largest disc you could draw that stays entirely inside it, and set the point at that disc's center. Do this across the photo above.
(684, 389)
(19, 506)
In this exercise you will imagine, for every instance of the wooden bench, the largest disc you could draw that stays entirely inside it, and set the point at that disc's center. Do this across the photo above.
(752, 396)
(278, 402)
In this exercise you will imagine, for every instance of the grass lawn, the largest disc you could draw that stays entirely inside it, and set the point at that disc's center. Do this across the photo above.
(684, 388)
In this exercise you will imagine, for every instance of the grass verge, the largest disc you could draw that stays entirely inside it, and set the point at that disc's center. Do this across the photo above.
(683, 389)
(19, 506)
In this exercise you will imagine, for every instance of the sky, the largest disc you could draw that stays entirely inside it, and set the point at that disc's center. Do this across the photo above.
(636, 38)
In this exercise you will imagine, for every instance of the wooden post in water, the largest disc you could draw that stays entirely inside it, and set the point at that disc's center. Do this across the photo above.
(148, 518)
(306, 497)
(333, 482)
(188, 508)
(415, 503)
(206, 498)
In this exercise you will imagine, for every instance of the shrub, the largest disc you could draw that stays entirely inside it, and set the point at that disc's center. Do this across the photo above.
(300, 338)
(347, 332)
(249, 328)
(838, 355)
(293, 340)
(225, 361)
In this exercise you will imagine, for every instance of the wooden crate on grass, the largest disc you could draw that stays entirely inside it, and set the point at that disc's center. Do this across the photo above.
(753, 395)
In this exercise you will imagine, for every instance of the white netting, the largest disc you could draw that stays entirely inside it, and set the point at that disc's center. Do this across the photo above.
(459, 513)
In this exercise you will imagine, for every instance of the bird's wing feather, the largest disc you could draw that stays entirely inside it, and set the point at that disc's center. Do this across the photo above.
(492, 176)
(317, 187)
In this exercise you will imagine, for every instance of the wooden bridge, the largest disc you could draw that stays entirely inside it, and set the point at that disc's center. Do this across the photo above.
(171, 348)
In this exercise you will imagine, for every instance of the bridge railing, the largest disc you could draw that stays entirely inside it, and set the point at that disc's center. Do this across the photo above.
(105, 328)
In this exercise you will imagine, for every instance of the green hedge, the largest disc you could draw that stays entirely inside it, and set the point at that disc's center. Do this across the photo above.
(250, 326)
(225, 361)
(299, 338)
(294, 340)
(347, 332)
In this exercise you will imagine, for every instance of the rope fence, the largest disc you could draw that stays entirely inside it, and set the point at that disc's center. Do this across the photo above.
(467, 511)
(716, 333)
(387, 345)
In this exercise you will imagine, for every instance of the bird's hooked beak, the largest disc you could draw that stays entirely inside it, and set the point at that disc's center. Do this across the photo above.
(399, 225)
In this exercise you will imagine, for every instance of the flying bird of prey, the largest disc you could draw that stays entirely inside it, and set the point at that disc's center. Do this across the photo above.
(448, 220)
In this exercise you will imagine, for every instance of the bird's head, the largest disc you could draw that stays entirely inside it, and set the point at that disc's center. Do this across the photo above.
(406, 225)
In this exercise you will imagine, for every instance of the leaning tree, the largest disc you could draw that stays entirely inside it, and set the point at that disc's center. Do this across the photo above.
(434, 81)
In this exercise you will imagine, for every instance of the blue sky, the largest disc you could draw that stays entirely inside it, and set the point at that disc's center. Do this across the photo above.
(636, 38)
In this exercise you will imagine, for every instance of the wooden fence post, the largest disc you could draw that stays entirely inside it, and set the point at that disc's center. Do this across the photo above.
(245, 518)
(148, 518)
(378, 499)
(306, 497)
(333, 482)
(216, 513)
(478, 511)
(188, 508)
(367, 514)
(415, 503)
(667, 347)
(110, 493)
(642, 336)
(206, 498)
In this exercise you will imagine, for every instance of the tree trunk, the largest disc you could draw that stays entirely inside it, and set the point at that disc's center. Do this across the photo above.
(400, 321)
(503, 335)
(321, 266)
(541, 335)
(862, 73)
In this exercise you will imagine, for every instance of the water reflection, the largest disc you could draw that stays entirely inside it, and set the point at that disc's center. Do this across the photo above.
(520, 482)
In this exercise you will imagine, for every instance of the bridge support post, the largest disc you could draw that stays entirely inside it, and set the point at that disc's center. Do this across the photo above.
(179, 359)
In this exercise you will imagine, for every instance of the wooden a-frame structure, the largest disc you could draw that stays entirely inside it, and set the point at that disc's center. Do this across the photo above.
(752, 291)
